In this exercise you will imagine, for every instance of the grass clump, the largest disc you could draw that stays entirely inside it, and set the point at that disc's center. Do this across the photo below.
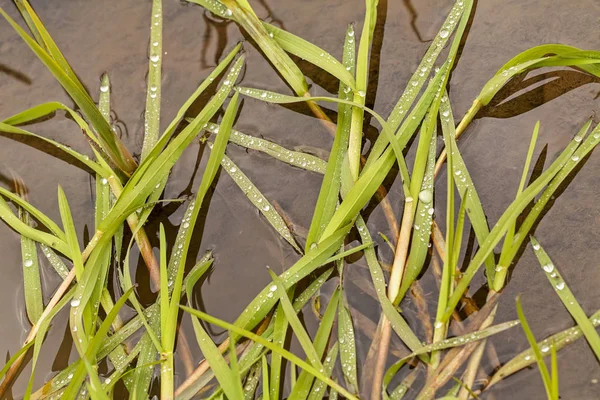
(252, 360)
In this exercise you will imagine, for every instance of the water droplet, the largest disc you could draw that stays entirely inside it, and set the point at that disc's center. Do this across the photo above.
(154, 58)
(361, 93)
(28, 263)
(445, 113)
(266, 207)
(575, 158)
(536, 246)
(104, 88)
(186, 225)
(227, 82)
(548, 268)
(152, 95)
(578, 139)
(444, 33)
(438, 324)
(414, 83)
(426, 196)
(229, 13)
(351, 33)
(155, 44)
(273, 288)
(75, 303)
(560, 286)
(430, 211)
(545, 349)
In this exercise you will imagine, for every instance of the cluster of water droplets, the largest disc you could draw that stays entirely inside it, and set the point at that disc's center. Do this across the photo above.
(551, 272)
(178, 247)
(265, 95)
(58, 265)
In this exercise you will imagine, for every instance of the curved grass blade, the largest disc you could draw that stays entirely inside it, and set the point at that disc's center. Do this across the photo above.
(328, 199)
(153, 95)
(110, 141)
(286, 354)
(7, 215)
(296, 158)
(567, 297)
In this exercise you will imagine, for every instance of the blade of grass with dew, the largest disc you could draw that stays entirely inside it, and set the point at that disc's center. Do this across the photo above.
(318, 390)
(526, 358)
(279, 58)
(110, 141)
(402, 389)
(153, 94)
(498, 280)
(582, 151)
(327, 201)
(252, 381)
(511, 213)
(464, 184)
(362, 79)
(567, 297)
(32, 285)
(422, 225)
(294, 321)
(286, 354)
(54, 260)
(343, 254)
(546, 377)
(280, 329)
(305, 381)
(259, 201)
(296, 158)
(70, 233)
(347, 346)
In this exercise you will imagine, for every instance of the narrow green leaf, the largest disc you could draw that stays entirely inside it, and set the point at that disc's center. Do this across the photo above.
(32, 285)
(567, 297)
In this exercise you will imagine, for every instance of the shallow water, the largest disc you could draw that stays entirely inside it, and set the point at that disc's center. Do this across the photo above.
(112, 36)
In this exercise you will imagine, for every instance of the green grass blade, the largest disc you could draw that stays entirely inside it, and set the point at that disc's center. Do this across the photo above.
(327, 201)
(153, 94)
(280, 329)
(4, 127)
(536, 350)
(309, 52)
(526, 358)
(567, 297)
(32, 285)
(347, 345)
(305, 381)
(296, 158)
(54, 260)
(294, 321)
(582, 151)
(464, 184)
(110, 141)
(265, 375)
(279, 58)
(259, 201)
(505, 221)
(71, 235)
(318, 390)
(286, 354)
(7, 215)
(504, 263)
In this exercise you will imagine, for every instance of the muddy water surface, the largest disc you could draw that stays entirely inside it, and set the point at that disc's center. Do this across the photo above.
(112, 36)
